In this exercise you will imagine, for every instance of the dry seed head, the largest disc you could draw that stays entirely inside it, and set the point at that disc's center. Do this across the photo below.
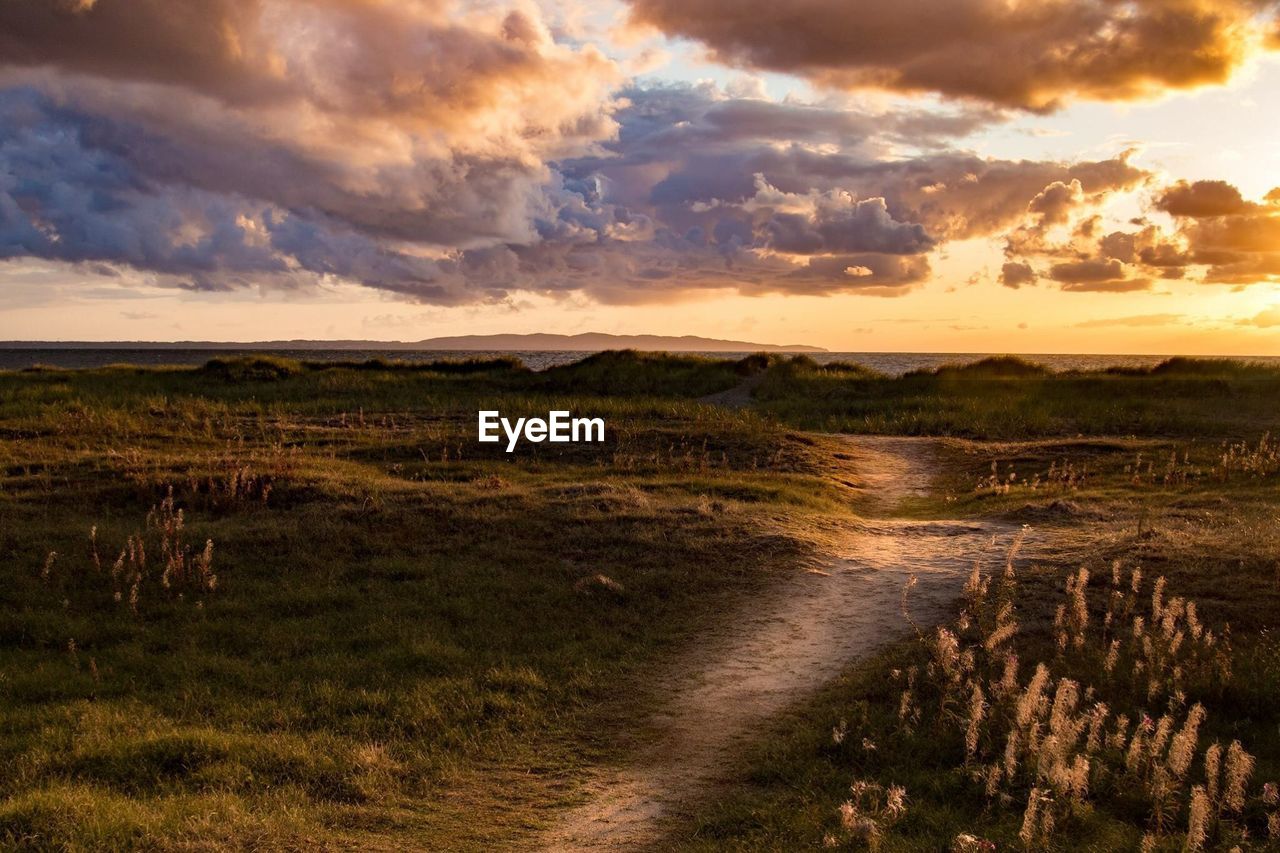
(1236, 773)
(977, 711)
(1011, 754)
(1001, 634)
(896, 801)
(1133, 757)
(1029, 703)
(1113, 657)
(992, 777)
(1118, 738)
(1197, 820)
(947, 653)
(1097, 720)
(1078, 783)
(1009, 677)
(1065, 701)
(1160, 739)
(1213, 770)
(1030, 818)
(1183, 748)
(973, 586)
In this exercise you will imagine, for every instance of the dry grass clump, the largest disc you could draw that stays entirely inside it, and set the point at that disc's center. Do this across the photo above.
(1241, 458)
(1061, 476)
(871, 810)
(181, 569)
(241, 478)
(1228, 462)
(1036, 737)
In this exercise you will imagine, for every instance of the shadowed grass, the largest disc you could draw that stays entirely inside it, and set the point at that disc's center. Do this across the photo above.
(1007, 398)
(1206, 523)
(409, 644)
(404, 620)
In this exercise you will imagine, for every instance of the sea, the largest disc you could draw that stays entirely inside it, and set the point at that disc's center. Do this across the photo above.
(891, 363)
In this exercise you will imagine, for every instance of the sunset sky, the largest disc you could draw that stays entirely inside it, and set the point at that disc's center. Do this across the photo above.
(935, 175)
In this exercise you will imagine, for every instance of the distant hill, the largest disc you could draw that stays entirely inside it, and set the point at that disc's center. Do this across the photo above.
(587, 342)
(592, 341)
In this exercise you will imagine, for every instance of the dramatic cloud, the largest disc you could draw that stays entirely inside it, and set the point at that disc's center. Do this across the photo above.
(1015, 274)
(1102, 275)
(457, 153)
(225, 140)
(757, 196)
(1021, 54)
(1239, 241)
(1201, 199)
(1217, 237)
(1056, 202)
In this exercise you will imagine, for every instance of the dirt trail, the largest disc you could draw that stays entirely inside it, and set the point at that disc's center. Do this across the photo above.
(737, 397)
(777, 652)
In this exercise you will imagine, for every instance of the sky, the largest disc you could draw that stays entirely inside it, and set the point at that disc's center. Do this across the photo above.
(924, 175)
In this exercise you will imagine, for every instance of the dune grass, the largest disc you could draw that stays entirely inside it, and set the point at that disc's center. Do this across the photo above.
(860, 767)
(364, 629)
(1008, 398)
(368, 630)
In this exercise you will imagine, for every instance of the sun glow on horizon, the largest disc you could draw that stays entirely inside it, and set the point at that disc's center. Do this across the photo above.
(715, 169)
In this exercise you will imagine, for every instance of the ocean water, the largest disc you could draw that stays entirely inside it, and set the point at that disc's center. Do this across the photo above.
(892, 363)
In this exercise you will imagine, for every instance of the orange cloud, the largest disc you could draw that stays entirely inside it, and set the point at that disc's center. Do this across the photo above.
(1030, 55)
(1219, 237)
(1266, 319)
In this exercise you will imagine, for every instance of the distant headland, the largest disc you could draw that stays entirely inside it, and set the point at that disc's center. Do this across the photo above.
(586, 342)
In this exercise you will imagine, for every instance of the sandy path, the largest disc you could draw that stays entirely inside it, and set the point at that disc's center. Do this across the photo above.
(737, 397)
(775, 653)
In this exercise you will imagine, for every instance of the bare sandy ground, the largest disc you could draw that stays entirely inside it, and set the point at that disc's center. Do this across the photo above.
(776, 652)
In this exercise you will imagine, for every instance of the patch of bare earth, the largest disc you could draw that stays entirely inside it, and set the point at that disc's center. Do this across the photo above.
(777, 652)
(737, 397)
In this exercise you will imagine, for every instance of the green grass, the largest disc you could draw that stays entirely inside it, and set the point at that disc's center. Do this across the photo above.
(405, 646)
(1007, 398)
(1213, 534)
(401, 648)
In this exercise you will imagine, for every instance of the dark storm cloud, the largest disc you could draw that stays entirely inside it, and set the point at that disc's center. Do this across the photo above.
(1031, 55)
(228, 142)
(64, 200)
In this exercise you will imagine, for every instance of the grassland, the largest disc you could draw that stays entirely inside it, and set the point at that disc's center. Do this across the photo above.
(1007, 398)
(1198, 517)
(402, 638)
(408, 638)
